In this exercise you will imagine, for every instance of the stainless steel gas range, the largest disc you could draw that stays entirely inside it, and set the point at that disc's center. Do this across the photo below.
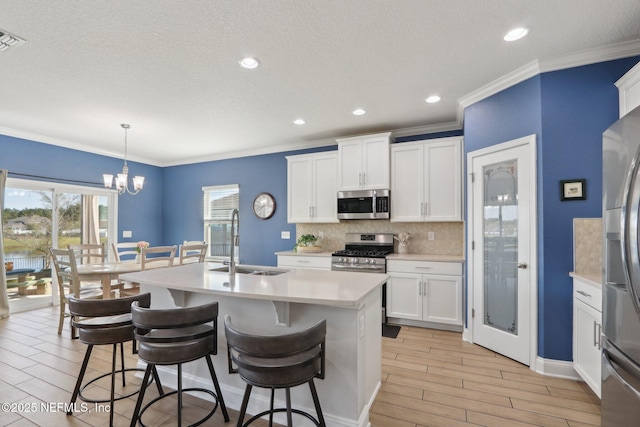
(363, 252)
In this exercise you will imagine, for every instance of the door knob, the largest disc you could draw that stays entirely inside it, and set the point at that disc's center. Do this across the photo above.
(522, 265)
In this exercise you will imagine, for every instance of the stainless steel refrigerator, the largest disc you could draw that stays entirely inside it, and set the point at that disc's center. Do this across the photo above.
(621, 288)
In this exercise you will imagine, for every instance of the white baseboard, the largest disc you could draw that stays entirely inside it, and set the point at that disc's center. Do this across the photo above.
(556, 368)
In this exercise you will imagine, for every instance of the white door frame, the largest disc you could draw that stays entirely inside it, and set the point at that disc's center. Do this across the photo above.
(530, 142)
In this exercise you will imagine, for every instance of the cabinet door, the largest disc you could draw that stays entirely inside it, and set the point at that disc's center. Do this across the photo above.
(375, 161)
(403, 296)
(443, 176)
(350, 165)
(406, 183)
(586, 344)
(299, 189)
(325, 177)
(442, 299)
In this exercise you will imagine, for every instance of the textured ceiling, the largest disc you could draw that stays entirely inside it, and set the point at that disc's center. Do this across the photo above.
(170, 68)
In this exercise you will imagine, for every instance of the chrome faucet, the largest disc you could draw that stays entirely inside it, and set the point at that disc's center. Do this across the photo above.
(235, 239)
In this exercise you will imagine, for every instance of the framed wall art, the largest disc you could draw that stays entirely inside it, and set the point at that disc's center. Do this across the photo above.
(573, 189)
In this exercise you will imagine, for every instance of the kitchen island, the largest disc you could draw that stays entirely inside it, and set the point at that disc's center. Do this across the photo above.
(278, 304)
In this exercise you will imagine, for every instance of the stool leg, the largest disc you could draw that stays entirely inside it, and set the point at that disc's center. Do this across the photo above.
(143, 388)
(316, 402)
(223, 407)
(156, 378)
(83, 369)
(289, 419)
(273, 398)
(114, 357)
(245, 402)
(179, 394)
(122, 362)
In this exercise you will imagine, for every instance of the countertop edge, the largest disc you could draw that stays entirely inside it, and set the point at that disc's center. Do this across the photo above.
(394, 256)
(588, 278)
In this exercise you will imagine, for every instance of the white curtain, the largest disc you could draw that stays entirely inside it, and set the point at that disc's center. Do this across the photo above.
(4, 298)
(90, 220)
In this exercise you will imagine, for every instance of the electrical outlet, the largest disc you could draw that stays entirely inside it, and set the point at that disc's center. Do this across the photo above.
(431, 235)
(321, 234)
(127, 234)
(284, 235)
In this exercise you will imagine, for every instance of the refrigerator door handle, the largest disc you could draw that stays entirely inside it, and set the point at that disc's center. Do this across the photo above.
(629, 232)
(612, 370)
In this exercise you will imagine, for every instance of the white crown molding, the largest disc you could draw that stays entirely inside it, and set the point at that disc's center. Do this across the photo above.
(577, 59)
(422, 130)
(45, 139)
(521, 74)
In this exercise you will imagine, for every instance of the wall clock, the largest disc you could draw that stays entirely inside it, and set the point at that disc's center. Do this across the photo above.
(264, 205)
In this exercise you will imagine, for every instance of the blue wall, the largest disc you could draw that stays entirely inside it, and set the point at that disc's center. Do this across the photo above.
(259, 239)
(567, 110)
(141, 214)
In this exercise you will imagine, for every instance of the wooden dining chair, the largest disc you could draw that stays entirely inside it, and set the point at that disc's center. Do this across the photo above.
(89, 253)
(158, 256)
(193, 253)
(66, 270)
(124, 249)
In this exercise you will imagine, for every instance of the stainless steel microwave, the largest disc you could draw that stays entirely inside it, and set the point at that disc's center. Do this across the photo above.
(363, 204)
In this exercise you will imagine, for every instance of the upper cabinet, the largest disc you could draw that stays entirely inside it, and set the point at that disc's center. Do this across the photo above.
(363, 162)
(426, 180)
(312, 187)
(629, 90)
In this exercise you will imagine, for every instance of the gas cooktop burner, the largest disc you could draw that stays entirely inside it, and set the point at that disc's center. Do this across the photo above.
(362, 253)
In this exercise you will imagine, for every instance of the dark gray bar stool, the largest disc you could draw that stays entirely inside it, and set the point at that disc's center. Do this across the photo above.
(102, 322)
(281, 361)
(173, 337)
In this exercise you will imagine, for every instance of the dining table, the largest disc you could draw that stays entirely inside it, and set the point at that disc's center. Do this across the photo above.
(106, 273)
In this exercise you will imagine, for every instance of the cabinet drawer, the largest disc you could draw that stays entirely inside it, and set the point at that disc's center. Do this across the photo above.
(298, 261)
(587, 293)
(425, 267)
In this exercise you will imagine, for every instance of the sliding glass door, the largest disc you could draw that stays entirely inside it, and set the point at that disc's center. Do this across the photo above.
(40, 215)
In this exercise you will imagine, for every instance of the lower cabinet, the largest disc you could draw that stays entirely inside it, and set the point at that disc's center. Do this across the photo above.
(425, 291)
(587, 333)
(301, 261)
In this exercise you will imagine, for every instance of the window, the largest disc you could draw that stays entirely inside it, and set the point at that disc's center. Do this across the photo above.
(219, 203)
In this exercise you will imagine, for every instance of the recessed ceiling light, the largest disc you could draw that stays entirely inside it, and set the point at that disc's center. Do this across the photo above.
(299, 121)
(516, 34)
(249, 63)
(358, 112)
(432, 99)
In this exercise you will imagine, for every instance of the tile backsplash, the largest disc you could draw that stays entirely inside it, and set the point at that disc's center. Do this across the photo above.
(587, 246)
(449, 236)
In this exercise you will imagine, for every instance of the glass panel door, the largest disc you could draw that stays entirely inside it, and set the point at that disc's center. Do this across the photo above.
(500, 228)
(27, 234)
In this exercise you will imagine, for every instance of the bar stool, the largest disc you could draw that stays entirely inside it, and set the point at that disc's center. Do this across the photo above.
(102, 322)
(281, 361)
(174, 337)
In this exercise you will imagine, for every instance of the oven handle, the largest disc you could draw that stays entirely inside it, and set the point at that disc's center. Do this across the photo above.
(337, 267)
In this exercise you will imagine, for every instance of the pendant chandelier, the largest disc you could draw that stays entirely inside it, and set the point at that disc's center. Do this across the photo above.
(122, 184)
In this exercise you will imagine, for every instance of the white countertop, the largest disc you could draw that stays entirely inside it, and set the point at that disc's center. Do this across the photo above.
(334, 288)
(394, 256)
(589, 278)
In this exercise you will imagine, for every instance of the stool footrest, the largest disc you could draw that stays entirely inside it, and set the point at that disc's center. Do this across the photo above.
(134, 392)
(293, 411)
(171, 393)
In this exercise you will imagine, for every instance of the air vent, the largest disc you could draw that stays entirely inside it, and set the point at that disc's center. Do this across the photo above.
(8, 40)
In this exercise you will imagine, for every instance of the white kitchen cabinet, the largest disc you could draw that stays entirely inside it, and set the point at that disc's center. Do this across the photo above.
(312, 187)
(363, 162)
(426, 180)
(425, 291)
(301, 261)
(587, 332)
(629, 90)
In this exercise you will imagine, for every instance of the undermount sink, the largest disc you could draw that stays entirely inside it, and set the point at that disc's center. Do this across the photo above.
(256, 271)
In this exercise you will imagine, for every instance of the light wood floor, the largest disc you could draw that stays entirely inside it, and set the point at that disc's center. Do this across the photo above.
(433, 378)
(430, 378)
